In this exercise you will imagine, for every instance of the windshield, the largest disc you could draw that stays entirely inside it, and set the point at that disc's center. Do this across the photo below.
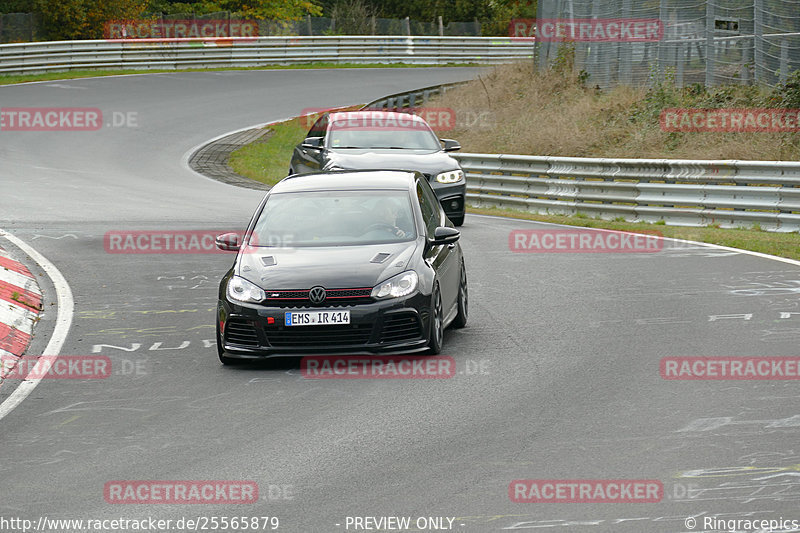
(335, 218)
(381, 132)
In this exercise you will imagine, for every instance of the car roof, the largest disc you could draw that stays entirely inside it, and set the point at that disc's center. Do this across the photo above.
(347, 180)
(374, 113)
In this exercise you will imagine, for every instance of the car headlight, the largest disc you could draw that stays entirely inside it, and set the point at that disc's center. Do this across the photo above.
(241, 290)
(397, 286)
(451, 176)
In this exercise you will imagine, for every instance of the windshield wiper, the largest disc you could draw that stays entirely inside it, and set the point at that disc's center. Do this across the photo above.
(391, 148)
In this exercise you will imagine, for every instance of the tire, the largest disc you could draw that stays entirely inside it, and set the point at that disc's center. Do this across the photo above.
(463, 300)
(457, 221)
(437, 323)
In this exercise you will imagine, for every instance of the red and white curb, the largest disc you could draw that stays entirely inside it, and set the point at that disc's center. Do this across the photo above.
(20, 305)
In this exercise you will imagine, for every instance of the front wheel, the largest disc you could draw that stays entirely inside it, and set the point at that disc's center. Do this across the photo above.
(437, 323)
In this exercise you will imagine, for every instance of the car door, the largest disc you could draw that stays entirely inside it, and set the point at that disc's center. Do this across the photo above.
(444, 259)
(310, 159)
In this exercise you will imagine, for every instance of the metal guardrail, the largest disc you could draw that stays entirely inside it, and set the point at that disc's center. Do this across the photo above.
(60, 56)
(681, 192)
(412, 100)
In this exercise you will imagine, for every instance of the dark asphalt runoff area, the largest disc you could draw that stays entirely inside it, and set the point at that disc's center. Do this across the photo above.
(557, 373)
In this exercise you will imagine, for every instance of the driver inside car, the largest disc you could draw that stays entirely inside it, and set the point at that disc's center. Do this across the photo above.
(388, 213)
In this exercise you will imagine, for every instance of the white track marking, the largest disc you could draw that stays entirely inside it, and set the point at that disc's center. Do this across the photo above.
(705, 244)
(66, 307)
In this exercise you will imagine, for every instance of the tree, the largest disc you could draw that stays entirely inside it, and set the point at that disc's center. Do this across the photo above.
(63, 19)
(271, 9)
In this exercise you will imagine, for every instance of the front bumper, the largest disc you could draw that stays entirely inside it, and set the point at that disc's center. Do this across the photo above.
(452, 196)
(400, 325)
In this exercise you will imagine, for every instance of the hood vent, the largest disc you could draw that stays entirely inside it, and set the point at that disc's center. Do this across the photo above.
(380, 258)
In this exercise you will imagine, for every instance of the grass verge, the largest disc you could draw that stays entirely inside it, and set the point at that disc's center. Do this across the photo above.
(76, 74)
(267, 159)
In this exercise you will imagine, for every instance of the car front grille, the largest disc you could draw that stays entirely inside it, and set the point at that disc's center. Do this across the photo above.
(242, 332)
(333, 298)
(320, 336)
(400, 328)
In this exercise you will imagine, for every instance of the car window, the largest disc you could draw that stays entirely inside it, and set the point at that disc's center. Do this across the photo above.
(335, 218)
(429, 206)
(319, 127)
(381, 131)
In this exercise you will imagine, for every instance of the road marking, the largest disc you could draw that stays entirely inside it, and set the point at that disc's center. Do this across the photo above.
(708, 245)
(66, 306)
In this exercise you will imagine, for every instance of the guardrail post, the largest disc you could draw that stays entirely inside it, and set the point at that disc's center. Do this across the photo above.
(710, 51)
(758, 39)
(661, 46)
(784, 72)
(441, 27)
(625, 52)
(744, 69)
(407, 24)
(543, 10)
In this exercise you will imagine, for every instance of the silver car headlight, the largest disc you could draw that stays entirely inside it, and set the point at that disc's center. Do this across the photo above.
(451, 176)
(396, 286)
(241, 290)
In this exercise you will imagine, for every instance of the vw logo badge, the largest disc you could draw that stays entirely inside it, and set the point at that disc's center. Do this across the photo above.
(316, 295)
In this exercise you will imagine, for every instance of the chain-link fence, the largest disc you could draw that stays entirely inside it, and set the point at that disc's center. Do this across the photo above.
(713, 43)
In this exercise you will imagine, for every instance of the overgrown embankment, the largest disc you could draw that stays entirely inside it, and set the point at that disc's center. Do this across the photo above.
(514, 110)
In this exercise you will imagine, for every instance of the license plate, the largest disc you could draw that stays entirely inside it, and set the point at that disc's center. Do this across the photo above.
(317, 318)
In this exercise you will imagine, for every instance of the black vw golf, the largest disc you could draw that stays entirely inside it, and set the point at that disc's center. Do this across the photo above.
(348, 262)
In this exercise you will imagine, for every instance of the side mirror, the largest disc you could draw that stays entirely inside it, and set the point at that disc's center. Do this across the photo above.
(444, 235)
(228, 242)
(450, 145)
(314, 143)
